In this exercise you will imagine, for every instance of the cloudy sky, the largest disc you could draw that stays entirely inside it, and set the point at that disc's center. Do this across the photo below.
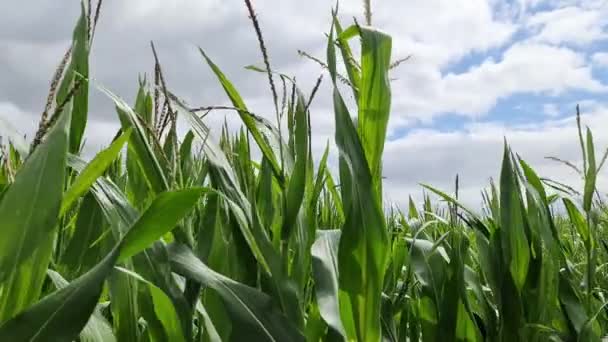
(480, 70)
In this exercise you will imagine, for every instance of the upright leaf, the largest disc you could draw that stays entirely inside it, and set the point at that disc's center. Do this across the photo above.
(515, 247)
(363, 256)
(591, 175)
(78, 72)
(30, 206)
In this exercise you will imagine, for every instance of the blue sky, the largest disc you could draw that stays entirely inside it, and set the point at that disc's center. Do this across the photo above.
(480, 71)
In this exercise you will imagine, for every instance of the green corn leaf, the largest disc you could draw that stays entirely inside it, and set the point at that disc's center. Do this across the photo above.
(253, 312)
(363, 257)
(124, 306)
(163, 307)
(297, 181)
(533, 179)
(92, 171)
(354, 74)
(515, 248)
(336, 199)
(80, 254)
(78, 71)
(577, 219)
(321, 177)
(236, 201)
(325, 274)
(30, 206)
(246, 117)
(97, 329)
(572, 304)
(24, 284)
(149, 163)
(374, 98)
(63, 314)
(165, 211)
(412, 212)
(591, 176)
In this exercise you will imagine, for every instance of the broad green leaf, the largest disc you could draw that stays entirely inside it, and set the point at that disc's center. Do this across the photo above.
(363, 256)
(23, 286)
(515, 248)
(163, 307)
(80, 254)
(248, 222)
(78, 71)
(246, 117)
(354, 74)
(572, 304)
(412, 211)
(165, 212)
(97, 329)
(430, 268)
(147, 159)
(325, 274)
(255, 315)
(224, 174)
(320, 179)
(63, 314)
(30, 206)
(337, 200)
(92, 171)
(577, 219)
(533, 179)
(297, 181)
(374, 98)
(124, 306)
(591, 175)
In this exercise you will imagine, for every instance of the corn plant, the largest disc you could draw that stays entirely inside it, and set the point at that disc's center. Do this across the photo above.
(168, 237)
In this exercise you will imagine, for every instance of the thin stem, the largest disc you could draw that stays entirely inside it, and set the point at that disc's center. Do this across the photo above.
(368, 12)
(275, 98)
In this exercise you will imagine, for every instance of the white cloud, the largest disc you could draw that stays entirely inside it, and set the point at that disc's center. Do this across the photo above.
(573, 25)
(551, 109)
(435, 157)
(442, 31)
(600, 59)
(524, 68)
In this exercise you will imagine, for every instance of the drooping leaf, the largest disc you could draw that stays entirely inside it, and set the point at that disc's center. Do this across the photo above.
(246, 117)
(97, 329)
(255, 315)
(147, 159)
(325, 274)
(62, 315)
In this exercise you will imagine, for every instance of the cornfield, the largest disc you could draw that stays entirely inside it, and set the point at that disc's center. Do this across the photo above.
(169, 237)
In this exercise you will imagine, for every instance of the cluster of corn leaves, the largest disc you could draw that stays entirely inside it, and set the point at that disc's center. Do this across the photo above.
(161, 238)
